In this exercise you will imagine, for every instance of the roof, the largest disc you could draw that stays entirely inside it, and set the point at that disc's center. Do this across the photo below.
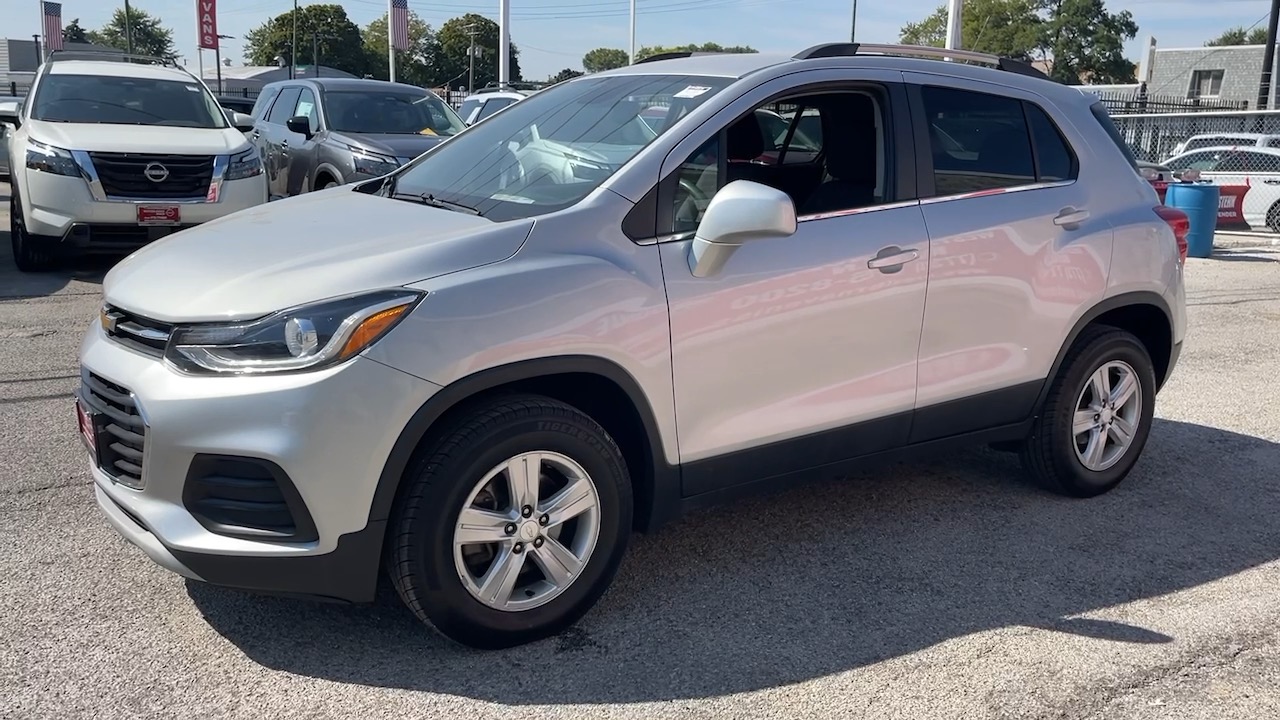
(115, 68)
(1230, 149)
(352, 84)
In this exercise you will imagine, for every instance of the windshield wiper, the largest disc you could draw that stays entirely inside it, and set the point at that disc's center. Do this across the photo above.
(433, 201)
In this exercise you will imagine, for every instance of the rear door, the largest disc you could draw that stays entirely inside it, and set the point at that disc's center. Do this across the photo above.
(1019, 240)
(300, 151)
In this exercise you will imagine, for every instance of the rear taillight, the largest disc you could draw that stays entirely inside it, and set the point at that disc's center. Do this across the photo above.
(1180, 224)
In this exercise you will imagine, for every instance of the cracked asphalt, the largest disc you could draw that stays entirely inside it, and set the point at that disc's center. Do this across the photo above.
(941, 588)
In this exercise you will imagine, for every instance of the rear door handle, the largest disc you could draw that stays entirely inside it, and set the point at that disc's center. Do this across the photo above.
(891, 259)
(1071, 216)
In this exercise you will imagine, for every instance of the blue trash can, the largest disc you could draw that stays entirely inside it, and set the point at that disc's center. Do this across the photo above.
(1200, 202)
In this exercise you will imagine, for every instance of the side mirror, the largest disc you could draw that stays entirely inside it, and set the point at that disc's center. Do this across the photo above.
(240, 121)
(9, 114)
(741, 212)
(300, 124)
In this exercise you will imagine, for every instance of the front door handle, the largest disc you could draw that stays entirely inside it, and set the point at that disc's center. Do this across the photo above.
(1070, 216)
(891, 259)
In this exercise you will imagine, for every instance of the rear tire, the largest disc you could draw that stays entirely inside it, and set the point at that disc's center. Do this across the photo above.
(1097, 417)
(25, 256)
(446, 570)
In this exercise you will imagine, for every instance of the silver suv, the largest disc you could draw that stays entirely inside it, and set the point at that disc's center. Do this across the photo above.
(482, 372)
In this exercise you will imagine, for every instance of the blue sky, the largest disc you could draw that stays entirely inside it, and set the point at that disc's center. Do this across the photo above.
(554, 34)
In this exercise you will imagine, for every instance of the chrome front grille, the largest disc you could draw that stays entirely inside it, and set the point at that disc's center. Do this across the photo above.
(135, 331)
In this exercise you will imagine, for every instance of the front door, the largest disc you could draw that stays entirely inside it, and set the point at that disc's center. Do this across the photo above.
(800, 351)
(275, 135)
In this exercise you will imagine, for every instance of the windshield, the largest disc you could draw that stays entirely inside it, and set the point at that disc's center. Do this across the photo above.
(109, 100)
(392, 112)
(553, 148)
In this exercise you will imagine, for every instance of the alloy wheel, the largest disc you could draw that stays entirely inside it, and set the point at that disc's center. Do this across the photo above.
(1108, 411)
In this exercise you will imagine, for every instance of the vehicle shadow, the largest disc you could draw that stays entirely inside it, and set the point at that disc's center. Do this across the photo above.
(826, 577)
(16, 285)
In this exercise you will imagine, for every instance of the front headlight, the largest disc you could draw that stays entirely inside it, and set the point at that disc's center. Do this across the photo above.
(244, 165)
(303, 338)
(50, 159)
(371, 163)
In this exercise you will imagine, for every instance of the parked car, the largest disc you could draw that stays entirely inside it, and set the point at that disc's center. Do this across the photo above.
(8, 104)
(237, 104)
(479, 374)
(114, 151)
(1206, 140)
(1256, 169)
(322, 132)
(488, 101)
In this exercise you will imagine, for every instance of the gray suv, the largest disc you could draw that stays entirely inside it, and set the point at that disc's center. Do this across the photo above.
(480, 373)
(320, 132)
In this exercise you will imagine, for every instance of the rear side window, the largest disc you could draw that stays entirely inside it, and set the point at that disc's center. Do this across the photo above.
(263, 103)
(979, 141)
(493, 106)
(1104, 119)
(1054, 159)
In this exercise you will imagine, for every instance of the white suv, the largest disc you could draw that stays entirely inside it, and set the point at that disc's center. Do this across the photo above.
(111, 154)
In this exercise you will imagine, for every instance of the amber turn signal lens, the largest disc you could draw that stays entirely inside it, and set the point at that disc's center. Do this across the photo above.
(370, 329)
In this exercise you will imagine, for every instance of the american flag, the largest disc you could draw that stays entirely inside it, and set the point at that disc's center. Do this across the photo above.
(400, 24)
(52, 25)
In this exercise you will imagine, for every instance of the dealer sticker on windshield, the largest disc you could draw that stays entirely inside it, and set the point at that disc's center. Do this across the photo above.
(692, 91)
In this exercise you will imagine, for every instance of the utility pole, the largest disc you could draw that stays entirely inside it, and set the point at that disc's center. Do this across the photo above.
(128, 27)
(633, 32)
(471, 57)
(39, 56)
(315, 49)
(217, 57)
(293, 48)
(853, 26)
(1269, 58)
(504, 43)
(955, 8)
(391, 43)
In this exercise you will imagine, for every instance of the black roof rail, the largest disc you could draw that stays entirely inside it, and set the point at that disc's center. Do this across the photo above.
(666, 56)
(58, 55)
(849, 49)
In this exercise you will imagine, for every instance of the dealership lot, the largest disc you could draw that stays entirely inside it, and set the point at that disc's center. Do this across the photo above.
(944, 588)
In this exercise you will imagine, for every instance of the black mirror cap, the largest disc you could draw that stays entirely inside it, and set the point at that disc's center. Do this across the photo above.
(299, 124)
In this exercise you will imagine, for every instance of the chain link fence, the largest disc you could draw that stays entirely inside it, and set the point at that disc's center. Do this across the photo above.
(1155, 137)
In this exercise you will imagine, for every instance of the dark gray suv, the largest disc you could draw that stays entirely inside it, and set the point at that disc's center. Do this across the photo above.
(321, 132)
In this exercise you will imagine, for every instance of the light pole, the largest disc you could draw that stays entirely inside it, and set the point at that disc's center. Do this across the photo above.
(955, 7)
(217, 58)
(293, 53)
(504, 43)
(128, 27)
(315, 49)
(633, 32)
(853, 26)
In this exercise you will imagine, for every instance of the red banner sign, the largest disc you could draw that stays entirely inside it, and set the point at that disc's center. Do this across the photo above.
(1231, 205)
(207, 14)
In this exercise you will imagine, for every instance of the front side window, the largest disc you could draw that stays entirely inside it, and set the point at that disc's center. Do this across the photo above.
(285, 105)
(550, 150)
(109, 100)
(391, 112)
(980, 142)
(306, 107)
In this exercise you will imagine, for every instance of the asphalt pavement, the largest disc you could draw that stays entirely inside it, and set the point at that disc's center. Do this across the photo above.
(942, 588)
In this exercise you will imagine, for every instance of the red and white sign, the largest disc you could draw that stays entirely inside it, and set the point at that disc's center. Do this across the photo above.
(159, 215)
(1231, 205)
(207, 15)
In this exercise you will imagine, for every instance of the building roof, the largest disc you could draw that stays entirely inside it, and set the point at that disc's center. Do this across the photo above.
(269, 73)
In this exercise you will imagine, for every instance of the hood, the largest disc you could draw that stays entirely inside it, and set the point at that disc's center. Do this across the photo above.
(397, 145)
(307, 248)
(95, 137)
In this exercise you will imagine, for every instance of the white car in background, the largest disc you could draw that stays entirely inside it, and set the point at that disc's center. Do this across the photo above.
(1257, 168)
(1232, 139)
(485, 102)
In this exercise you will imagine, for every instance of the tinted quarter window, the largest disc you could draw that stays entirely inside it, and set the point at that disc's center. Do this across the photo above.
(1054, 159)
(979, 141)
(263, 103)
(1104, 119)
(283, 109)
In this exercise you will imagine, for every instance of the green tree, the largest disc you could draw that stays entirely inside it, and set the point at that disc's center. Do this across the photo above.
(1086, 42)
(602, 59)
(565, 74)
(1240, 36)
(417, 65)
(454, 39)
(74, 33)
(150, 37)
(709, 47)
(339, 43)
(1009, 28)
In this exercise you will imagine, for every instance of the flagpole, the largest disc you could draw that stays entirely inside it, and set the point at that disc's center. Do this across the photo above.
(391, 44)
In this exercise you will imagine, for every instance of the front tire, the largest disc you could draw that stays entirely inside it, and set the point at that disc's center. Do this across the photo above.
(27, 257)
(1096, 420)
(513, 524)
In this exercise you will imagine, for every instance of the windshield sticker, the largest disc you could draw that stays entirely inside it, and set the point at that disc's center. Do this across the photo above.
(692, 91)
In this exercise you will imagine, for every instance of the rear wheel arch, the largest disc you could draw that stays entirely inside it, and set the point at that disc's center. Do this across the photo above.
(598, 387)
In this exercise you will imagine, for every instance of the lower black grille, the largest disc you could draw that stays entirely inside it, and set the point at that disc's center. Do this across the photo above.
(246, 498)
(135, 175)
(122, 236)
(120, 429)
(140, 333)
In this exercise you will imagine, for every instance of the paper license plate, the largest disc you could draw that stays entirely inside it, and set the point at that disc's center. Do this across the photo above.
(159, 215)
(88, 429)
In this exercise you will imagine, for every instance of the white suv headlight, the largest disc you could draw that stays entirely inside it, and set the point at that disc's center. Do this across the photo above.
(50, 159)
(244, 165)
(309, 337)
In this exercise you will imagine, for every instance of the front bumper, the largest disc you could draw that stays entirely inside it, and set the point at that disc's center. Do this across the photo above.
(328, 433)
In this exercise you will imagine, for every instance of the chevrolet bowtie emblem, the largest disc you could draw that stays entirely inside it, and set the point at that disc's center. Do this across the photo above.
(108, 321)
